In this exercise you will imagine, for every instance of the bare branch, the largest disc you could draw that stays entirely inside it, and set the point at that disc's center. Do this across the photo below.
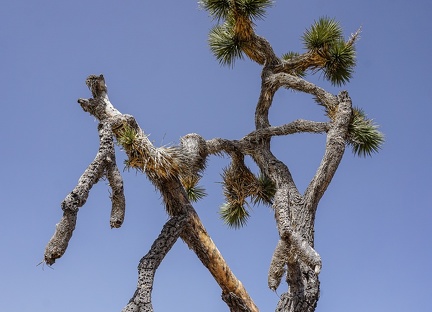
(218, 146)
(283, 79)
(300, 63)
(141, 300)
(165, 166)
(117, 197)
(58, 243)
(354, 37)
(335, 147)
(278, 265)
(297, 126)
(235, 303)
(301, 249)
(105, 158)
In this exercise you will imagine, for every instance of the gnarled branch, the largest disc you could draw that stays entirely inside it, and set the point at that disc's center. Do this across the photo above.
(335, 147)
(141, 300)
(104, 163)
(164, 167)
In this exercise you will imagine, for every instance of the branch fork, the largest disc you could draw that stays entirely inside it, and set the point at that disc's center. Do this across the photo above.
(165, 167)
(103, 165)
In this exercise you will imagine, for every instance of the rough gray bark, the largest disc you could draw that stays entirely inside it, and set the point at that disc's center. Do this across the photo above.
(294, 212)
(141, 300)
(165, 167)
(103, 164)
(173, 169)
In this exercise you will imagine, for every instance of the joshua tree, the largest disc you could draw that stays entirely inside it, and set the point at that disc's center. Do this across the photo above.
(176, 170)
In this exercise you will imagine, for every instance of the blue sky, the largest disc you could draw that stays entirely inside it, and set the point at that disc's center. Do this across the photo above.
(373, 226)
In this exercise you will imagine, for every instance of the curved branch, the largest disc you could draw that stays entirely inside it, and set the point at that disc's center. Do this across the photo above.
(118, 200)
(286, 80)
(297, 126)
(301, 248)
(259, 49)
(141, 300)
(248, 144)
(104, 160)
(335, 147)
(300, 63)
(278, 265)
(164, 167)
(255, 47)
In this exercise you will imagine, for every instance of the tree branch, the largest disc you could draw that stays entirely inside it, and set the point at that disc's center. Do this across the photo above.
(141, 300)
(335, 147)
(278, 80)
(255, 47)
(164, 167)
(104, 160)
(117, 197)
(248, 144)
(297, 126)
(278, 265)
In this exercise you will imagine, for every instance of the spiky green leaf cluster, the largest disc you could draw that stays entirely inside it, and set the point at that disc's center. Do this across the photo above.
(340, 63)
(290, 55)
(253, 9)
(218, 9)
(223, 9)
(223, 41)
(234, 215)
(224, 44)
(239, 185)
(193, 190)
(325, 38)
(364, 136)
(265, 191)
(195, 193)
(322, 34)
(127, 137)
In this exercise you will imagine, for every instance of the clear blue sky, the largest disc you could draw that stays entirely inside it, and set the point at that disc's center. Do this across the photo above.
(373, 227)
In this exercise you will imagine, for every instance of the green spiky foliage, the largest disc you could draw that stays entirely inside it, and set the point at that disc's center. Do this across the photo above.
(224, 44)
(196, 193)
(322, 34)
(239, 183)
(193, 190)
(265, 191)
(159, 162)
(234, 215)
(363, 135)
(127, 137)
(253, 9)
(218, 9)
(222, 9)
(340, 63)
(338, 56)
(127, 140)
(290, 55)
